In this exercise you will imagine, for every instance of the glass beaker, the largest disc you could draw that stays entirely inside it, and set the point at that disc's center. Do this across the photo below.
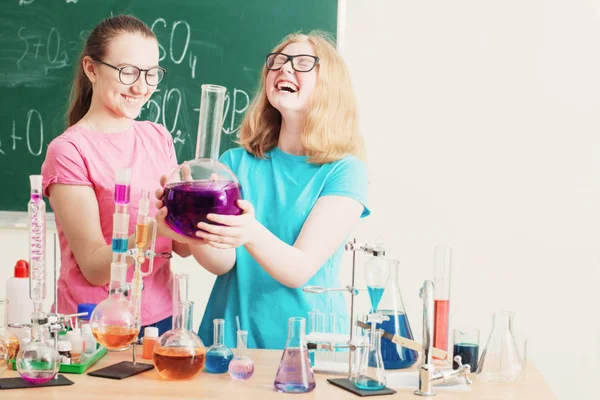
(210, 121)
(366, 377)
(295, 374)
(218, 355)
(391, 305)
(466, 345)
(10, 340)
(242, 366)
(501, 360)
(179, 354)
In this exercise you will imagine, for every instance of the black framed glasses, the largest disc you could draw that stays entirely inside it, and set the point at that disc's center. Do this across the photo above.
(129, 74)
(300, 62)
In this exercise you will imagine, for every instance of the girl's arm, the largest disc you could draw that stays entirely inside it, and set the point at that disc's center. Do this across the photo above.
(327, 226)
(76, 210)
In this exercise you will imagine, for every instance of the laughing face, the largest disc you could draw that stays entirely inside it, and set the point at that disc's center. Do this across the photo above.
(120, 100)
(287, 89)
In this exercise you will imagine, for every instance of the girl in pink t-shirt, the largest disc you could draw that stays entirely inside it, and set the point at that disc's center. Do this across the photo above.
(117, 73)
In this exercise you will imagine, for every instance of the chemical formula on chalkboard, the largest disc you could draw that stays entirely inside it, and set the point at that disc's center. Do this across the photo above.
(222, 42)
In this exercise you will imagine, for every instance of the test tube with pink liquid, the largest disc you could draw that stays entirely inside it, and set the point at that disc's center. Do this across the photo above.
(442, 269)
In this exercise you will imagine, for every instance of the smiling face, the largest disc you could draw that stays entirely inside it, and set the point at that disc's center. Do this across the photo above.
(120, 100)
(287, 89)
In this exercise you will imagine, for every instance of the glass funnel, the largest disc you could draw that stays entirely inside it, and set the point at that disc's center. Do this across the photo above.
(242, 366)
(295, 374)
(197, 188)
(38, 362)
(501, 360)
(218, 355)
(179, 353)
(376, 276)
(9, 339)
(391, 305)
(114, 322)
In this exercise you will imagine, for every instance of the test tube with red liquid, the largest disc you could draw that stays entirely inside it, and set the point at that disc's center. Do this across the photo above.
(441, 280)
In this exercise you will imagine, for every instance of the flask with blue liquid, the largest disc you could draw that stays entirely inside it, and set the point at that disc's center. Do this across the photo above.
(391, 305)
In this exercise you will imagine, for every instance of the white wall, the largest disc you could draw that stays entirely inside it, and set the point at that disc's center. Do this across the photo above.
(481, 119)
(482, 131)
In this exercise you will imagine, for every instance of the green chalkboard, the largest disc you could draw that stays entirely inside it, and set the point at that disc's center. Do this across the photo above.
(221, 42)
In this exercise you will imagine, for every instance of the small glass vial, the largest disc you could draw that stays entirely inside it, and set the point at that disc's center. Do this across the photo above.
(64, 351)
(241, 367)
(89, 341)
(74, 337)
(218, 355)
(150, 338)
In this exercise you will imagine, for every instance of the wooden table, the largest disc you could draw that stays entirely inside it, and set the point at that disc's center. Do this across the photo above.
(208, 386)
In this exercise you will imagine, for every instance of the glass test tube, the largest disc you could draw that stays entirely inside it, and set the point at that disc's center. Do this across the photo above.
(441, 280)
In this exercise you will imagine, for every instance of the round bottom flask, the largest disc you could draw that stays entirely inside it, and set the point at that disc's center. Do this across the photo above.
(197, 188)
(179, 355)
(114, 325)
(38, 362)
(241, 367)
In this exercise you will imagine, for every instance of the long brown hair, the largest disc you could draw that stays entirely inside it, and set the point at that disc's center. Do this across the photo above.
(95, 48)
(331, 129)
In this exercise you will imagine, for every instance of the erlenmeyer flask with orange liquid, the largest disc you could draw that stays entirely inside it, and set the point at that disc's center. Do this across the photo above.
(179, 354)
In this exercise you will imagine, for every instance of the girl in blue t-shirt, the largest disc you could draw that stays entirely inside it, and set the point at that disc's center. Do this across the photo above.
(304, 187)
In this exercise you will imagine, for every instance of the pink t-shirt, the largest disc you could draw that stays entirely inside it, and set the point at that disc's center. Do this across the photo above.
(82, 157)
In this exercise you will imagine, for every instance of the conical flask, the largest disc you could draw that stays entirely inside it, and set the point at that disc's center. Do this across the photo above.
(295, 374)
(179, 353)
(369, 377)
(501, 360)
(391, 305)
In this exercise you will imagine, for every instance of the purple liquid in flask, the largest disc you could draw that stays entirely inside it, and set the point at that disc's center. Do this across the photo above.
(38, 378)
(295, 374)
(189, 202)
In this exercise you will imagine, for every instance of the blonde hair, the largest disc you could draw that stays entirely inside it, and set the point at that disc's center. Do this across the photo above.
(331, 129)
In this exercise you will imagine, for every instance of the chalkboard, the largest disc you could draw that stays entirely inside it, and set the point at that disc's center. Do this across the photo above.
(222, 42)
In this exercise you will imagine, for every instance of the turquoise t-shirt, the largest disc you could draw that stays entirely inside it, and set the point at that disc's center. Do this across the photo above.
(283, 188)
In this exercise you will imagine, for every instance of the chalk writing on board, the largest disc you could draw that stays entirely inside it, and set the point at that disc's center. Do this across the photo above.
(179, 29)
(25, 2)
(235, 110)
(33, 134)
(55, 54)
(14, 136)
